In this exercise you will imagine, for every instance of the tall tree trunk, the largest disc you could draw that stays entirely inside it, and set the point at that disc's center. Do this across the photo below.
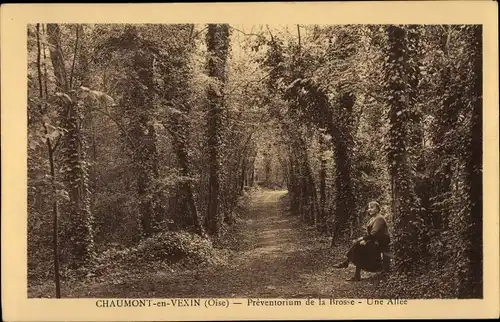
(267, 167)
(446, 118)
(243, 173)
(252, 176)
(179, 128)
(251, 168)
(408, 226)
(309, 196)
(55, 203)
(218, 47)
(75, 161)
(292, 187)
(415, 138)
(342, 143)
(138, 103)
(472, 276)
(178, 94)
(322, 186)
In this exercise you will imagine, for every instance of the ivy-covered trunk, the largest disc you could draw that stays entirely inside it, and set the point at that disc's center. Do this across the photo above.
(339, 117)
(446, 116)
(75, 165)
(217, 41)
(415, 132)
(176, 75)
(77, 177)
(407, 221)
(138, 103)
(471, 270)
(342, 143)
(179, 128)
(309, 195)
(321, 225)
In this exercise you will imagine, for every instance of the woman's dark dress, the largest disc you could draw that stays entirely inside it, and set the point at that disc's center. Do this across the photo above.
(368, 257)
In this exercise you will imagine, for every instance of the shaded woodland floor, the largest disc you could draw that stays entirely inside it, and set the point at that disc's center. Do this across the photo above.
(275, 256)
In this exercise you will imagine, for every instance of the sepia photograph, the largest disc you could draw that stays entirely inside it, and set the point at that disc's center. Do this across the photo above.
(184, 162)
(282, 161)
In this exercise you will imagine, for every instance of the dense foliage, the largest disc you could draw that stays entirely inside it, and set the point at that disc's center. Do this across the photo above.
(144, 138)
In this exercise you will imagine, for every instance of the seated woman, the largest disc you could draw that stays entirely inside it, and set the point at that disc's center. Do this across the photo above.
(365, 251)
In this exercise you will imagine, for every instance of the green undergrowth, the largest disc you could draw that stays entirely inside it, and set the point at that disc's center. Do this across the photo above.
(231, 233)
(168, 252)
(174, 248)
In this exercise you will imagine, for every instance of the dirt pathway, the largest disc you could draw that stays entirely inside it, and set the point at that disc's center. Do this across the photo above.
(277, 257)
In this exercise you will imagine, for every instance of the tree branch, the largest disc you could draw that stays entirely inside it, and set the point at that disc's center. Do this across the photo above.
(56, 144)
(38, 59)
(298, 33)
(117, 122)
(74, 57)
(252, 81)
(199, 32)
(50, 147)
(269, 30)
(247, 34)
(191, 32)
(44, 65)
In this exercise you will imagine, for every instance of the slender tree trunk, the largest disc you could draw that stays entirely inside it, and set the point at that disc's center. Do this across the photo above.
(294, 195)
(252, 176)
(55, 203)
(55, 222)
(322, 187)
(243, 174)
(309, 188)
(45, 65)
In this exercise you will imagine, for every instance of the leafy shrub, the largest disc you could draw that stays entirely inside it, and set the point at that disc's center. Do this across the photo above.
(166, 247)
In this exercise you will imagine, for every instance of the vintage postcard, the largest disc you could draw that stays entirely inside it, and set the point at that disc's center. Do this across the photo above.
(250, 161)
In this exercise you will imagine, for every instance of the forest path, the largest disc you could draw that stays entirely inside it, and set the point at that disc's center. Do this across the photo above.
(276, 256)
